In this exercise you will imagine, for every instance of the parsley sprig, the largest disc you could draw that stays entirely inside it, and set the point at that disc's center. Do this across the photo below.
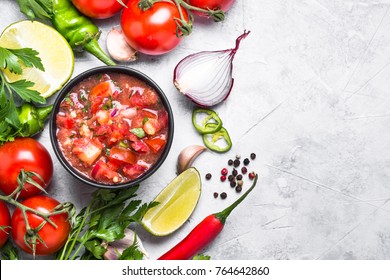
(104, 220)
(12, 60)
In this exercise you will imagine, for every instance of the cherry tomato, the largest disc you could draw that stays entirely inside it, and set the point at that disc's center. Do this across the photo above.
(53, 237)
(224, 5)
(99, 9)
(153, 31)
(31, 156)
(5, 223)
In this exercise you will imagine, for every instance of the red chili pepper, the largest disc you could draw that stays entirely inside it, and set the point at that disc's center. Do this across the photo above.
(204, 233)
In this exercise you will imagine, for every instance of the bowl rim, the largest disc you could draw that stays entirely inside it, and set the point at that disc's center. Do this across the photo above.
(107, 69)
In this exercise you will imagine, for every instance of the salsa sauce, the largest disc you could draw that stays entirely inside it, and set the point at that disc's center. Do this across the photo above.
(112, 128)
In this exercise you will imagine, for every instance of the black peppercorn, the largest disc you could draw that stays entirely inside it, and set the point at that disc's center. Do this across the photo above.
(233, 183)
(234, 172)
(244, 170)
(223, 195)
(208, 176)
(246, 161)
(215, 195)
(236, 163)
(238, 189)
(230, 177)
(230, 162)
(253, 155)
(239, 177)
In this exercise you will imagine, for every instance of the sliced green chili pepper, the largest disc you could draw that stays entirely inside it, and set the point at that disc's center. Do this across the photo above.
(204, 127)
(138, 131)
(211, 139)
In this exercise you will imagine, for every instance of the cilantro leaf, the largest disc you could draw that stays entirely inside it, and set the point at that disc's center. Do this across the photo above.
(42, 9)
(22, 88)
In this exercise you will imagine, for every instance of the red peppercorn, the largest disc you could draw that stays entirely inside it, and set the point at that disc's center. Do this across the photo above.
(223, 178)
(224, 171)
(252, 175)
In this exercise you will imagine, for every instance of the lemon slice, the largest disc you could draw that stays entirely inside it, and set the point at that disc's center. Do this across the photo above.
(177, 201)
(56, 55)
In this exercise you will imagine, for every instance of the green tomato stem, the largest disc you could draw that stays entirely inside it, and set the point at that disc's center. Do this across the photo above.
(32, 234)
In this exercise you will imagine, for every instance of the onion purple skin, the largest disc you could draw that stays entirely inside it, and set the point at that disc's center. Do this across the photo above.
(187, 94)
(226, 93)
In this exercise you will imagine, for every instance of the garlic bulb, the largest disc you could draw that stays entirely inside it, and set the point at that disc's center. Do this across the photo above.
(118, 246)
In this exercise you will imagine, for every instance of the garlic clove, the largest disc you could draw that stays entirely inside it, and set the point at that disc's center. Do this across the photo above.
(118, 48)
(118, 246)
(187, 156)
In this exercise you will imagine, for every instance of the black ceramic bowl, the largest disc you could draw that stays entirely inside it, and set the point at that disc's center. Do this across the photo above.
(102, 70)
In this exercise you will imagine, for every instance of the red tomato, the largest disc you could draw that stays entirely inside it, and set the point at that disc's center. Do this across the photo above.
(153, 31)
(29, 155)
(53, 237)
(99, 9)
(224, 5)
(5, 223)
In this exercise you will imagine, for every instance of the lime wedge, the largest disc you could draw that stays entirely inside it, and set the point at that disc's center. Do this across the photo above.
(177, 201)
(54, 51)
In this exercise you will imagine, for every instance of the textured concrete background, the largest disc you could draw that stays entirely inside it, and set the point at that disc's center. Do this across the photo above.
(311, 98)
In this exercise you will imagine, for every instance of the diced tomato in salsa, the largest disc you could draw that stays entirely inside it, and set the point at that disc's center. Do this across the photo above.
(103, 173)
(140, 147)
(87, 150)
(155, 144)
(95, 122)
(64, 121)
(147, 98)
(134, 170)
(99, 95)
(122, 155)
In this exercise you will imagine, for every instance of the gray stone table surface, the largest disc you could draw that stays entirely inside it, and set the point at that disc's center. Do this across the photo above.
(311, 98)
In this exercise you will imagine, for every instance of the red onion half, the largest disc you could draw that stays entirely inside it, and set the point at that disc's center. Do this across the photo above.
(206, 77)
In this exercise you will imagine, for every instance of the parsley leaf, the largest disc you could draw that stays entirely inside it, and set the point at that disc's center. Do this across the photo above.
(103, 221)
(22, 88)
(9, 252)
(42, 9)
(10, 61)
(11, 58)
(132, 253)
(29, 57)
(14, 60)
